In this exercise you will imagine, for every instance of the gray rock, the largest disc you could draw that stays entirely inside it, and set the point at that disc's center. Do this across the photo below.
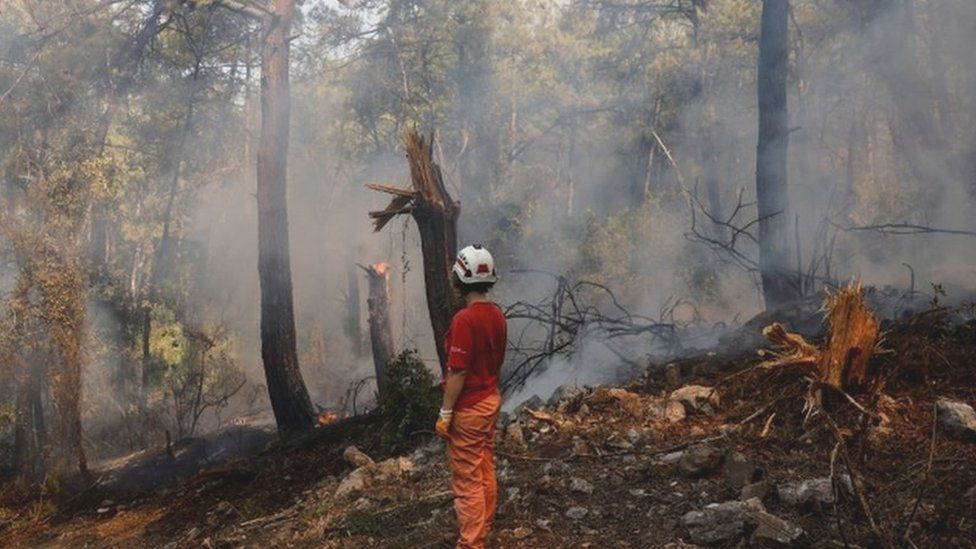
(576, 513)
(535, 403)
(699, 460)
(957, 419)
(562, 393)
(720, 522)
(580, 485)
(725, 523)
(697, 398)
(756, 490)
(816, 491)
(774, 532)
(738, 469)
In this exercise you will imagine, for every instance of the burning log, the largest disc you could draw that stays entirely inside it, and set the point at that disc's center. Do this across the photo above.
(436, 215)
(852, 334)
(380, 327)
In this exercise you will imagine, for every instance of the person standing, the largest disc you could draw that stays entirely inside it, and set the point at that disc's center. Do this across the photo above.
(475, 346)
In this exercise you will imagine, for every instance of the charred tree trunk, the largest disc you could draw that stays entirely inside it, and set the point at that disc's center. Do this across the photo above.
(353, 318)
(289, 396)
(771, 191)
(436, 215)
(380, 327)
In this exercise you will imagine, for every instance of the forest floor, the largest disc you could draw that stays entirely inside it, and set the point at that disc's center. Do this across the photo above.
(605, 467)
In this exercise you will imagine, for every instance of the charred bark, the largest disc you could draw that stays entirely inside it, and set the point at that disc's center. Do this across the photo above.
(289, 396)
(380, 327)
(436, 215)
(771, 191)
(353, 318)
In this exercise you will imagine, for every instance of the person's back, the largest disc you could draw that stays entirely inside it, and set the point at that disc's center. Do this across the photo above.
(475, 347)
(476, 343)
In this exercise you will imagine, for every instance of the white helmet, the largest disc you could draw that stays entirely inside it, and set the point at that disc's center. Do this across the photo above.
(475, 265)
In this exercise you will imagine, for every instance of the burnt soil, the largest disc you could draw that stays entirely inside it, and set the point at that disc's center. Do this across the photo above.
(917, 482)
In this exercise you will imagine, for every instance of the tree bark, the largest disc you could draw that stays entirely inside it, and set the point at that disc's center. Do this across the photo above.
(353, 316)
(289, 396)
(436, 215)
(380, 326)
(771, 184)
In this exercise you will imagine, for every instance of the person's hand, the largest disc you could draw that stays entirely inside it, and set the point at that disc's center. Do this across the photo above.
(444, 422)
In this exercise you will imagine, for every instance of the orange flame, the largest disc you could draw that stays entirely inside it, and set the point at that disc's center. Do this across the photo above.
(326, 418)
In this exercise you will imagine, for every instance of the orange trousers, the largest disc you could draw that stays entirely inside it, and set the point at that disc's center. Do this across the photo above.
(470, 454)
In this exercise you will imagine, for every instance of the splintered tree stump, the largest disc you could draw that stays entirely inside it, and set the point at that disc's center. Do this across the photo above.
(436, 215)
(380, 327)
(852, 334)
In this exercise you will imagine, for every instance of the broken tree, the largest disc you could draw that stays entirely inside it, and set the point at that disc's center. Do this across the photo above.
(380, 329)
(852, 334)
(436, 215)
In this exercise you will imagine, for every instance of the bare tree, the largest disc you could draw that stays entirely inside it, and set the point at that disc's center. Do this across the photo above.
(380, 328)
(289, 396)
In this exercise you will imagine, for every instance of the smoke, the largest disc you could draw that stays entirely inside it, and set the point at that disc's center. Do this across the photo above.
(575, 97)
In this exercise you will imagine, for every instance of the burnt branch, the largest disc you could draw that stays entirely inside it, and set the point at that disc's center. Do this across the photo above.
(566, 318)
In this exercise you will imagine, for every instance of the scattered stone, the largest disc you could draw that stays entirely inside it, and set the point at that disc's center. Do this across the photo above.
(699, 460)
(637, 492)
(671, 458)
(697, 398)
(393, 468)
(739, 470)
(562, 393)
(355, 457)
(634, 436)
(534, 403)
(103, 510)
(582, 486)
(757, 490)
(816, 491)
(674, 411)
(619, 444)
(521, 532)
(957, 419)
(631, 402)
(576, 513)
(514, 433)
(353, 484)
(720, 522)
(774, 532)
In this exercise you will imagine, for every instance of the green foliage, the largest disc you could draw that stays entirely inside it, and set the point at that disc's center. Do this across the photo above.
(411, 400)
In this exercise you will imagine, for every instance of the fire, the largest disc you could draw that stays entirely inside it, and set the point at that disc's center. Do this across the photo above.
(326, 418)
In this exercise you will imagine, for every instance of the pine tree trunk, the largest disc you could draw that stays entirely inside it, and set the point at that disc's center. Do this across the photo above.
(289, 397)
(771, 185)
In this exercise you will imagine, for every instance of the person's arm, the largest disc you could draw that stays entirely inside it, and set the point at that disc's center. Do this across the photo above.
(458, 362)
(453, 383)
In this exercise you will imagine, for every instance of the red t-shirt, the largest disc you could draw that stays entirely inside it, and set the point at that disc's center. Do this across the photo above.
(476, 343)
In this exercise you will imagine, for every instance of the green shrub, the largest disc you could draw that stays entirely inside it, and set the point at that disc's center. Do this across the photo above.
(411, 401)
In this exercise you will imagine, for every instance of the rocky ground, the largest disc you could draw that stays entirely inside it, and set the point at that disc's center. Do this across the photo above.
(709, 450)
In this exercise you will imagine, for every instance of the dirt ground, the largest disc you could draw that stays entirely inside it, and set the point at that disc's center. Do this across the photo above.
(602, 468)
